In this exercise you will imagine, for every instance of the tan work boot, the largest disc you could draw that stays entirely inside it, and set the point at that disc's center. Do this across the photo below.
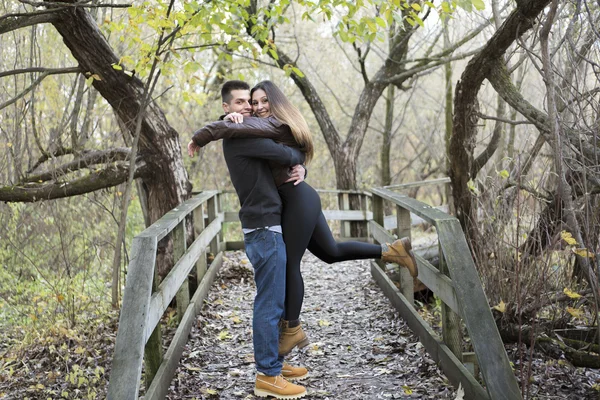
(291, 337)
(278, 387)
(400, 252)
(293, 373)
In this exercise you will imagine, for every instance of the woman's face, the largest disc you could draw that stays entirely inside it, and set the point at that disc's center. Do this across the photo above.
(260, 104)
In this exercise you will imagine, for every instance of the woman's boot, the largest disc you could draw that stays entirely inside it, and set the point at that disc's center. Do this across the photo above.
(400, 252)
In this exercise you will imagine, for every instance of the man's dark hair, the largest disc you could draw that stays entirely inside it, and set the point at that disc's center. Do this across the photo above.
(230, 86)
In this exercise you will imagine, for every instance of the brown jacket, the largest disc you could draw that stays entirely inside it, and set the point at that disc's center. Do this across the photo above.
(251, 127)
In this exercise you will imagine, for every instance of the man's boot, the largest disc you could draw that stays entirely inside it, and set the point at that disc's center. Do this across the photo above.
(293, 373)
(291, 336)
(278, 387)
(400, 252)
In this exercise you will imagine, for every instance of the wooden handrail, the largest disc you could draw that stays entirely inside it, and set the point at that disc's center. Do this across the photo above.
(461, 292)
(142, 308)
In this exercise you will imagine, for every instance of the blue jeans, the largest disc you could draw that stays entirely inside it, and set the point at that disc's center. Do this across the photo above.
(266, 251)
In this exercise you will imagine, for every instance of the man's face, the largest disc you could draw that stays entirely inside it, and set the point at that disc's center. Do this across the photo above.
(240, 103)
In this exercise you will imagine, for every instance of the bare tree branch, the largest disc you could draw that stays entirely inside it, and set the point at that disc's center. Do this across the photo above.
(11, 22)
(86, 4)
(504, 120)
(49, 71)
(87, 160)
(106, 178)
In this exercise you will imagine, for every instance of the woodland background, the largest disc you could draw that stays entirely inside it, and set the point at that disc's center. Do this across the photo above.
(500, 96)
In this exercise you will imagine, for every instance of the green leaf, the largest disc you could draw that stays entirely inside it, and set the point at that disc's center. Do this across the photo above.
(479, 4)
(416, 6)
(371, 25)
(410, 21)
(274, 54)
(445, 7)
(298, 72)
(380, 22)
(117, 67)
(504, 174)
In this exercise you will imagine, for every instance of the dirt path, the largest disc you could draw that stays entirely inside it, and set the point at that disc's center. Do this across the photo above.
(359, 348)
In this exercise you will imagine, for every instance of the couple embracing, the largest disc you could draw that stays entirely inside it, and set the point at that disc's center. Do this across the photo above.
(266, 143)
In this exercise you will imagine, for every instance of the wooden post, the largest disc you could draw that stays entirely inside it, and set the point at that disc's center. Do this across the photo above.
(198, 228)
(451, 329)
(179, 248)
(378, 216)
(213, 212)
(153, 353)
(345, 225)
(364, 201)
(407, 283)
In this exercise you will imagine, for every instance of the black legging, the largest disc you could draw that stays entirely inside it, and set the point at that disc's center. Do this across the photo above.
(304, 226)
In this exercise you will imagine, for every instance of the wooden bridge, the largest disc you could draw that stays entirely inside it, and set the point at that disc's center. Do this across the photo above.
(455, 282)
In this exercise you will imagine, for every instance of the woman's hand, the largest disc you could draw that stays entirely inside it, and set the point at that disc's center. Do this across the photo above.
(296, 174)
(234, 117)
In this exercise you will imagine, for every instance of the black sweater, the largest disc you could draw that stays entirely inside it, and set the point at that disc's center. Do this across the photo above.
(248, 164)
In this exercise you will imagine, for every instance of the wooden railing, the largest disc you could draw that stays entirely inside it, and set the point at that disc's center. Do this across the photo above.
(457, 284)
(145, 301)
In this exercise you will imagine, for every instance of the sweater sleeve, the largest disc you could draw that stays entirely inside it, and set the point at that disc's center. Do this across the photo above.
(251, 127)
(267, 149)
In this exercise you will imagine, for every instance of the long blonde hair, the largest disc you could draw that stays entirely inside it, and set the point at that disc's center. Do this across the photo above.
(288, 114)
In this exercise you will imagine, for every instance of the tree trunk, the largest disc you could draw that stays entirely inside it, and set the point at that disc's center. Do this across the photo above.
(466, 107)
(159, 144)
(386, 176)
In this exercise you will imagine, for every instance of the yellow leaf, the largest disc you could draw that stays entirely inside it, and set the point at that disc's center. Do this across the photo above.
(224, 334)
(190, 368)
(9, 144)
(571, 294)
(211, 391)
(236, 320)
(500, 306)
(575, 312)
(60, 298)
(583, 252)
(567, 237)
(407, 389)
(40, 386)
(79, 350)
(323, 322)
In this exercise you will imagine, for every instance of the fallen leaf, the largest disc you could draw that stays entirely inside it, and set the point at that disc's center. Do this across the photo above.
(567, 237)
(571, 294)
(407, 389)
(500, 306)
(224, 334)
(583, 252)
(460, 393)
(575, 312)
(323, 322)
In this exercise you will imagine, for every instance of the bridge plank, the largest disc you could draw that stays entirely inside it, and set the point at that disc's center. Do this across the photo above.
(160, 385)
(456, 372)
(129, 348)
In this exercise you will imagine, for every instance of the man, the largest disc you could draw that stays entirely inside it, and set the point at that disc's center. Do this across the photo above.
(260, 215)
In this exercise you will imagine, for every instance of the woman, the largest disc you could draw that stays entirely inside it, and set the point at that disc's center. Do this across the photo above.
(303, 223)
